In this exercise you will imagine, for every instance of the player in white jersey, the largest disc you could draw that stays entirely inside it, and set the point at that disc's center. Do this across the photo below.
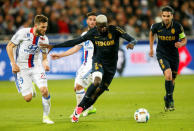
(26, 66)
(83, 76)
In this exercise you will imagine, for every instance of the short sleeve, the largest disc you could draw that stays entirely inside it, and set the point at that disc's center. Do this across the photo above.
(45, 50)
(18, 37)
(153, 28)
(82, 44)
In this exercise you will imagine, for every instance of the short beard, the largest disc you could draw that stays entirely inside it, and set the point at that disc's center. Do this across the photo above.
(39, 33)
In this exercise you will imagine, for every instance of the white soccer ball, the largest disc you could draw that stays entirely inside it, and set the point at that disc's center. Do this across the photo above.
(141, 115)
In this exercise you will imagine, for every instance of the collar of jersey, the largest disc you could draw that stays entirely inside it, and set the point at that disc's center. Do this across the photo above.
(163, 25)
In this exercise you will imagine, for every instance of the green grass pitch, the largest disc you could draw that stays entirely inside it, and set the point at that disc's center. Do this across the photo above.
(115, 109)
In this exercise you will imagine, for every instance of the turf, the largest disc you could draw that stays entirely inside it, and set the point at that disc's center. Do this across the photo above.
(115, 108)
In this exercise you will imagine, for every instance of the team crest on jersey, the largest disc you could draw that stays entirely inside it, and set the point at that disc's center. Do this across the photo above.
(109, 35)
(172, 30)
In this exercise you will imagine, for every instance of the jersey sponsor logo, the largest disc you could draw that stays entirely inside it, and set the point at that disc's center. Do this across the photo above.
(173, 31)
(31, 49)
(31, 55)
(159, 30)
(105, 43)
(167, 38)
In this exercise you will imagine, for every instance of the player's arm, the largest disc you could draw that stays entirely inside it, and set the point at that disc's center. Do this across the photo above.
(151, 40)
(45, 62)
(68, 43)
(153, 31)
(127, 37)
(9, 49)
(182, 37)
(182, 43)
(71, 51)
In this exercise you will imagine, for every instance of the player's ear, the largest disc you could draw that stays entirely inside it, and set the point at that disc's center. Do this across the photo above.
(36, 25)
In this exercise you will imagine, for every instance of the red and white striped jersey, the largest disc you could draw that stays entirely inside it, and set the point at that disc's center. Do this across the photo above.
(27, 47)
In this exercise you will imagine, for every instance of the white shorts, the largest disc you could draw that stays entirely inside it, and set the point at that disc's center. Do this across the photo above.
(84, 76)
(25, 77)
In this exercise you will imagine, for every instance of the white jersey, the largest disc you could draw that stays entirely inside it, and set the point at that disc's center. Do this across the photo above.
(88, 50)
(83, 76)
(28, 50)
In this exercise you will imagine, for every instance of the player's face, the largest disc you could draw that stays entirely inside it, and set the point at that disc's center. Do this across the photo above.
(91, 21)
(41, 28)
(102, 28)
(167, 17)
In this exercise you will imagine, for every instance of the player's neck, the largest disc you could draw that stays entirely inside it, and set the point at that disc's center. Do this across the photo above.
(167, 26)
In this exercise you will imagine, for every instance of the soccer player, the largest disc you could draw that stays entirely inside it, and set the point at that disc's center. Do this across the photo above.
(105, 39)
(171, 36)
(83, 76)
(27, 67)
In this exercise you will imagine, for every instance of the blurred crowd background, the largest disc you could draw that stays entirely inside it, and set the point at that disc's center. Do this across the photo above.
(69, 16)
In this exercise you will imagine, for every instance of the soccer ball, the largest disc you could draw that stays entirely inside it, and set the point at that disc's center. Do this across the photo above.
(141, 115)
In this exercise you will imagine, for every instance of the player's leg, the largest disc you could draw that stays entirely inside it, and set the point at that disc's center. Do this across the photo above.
(79, 85)
(24, 84)
(91, 109)
(165, 66)
(86, 101)
(79, 92)
(174, 67)
(39, 78)
(107, 79)
(82, 81)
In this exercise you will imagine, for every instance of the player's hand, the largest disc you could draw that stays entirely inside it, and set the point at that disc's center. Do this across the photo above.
(151, 53)
(49, 47)
(15, 68)
(45, 65)
(178, 44)
(55, 56)
(130, 46)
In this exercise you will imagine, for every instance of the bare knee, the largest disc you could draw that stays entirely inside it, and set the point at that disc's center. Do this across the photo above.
(28, 98)
(97, 81)
(44, 91)
(168, 74)
(78, 87)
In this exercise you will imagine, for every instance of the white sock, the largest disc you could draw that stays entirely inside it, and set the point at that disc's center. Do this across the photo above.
(79, 95)
(46, 103)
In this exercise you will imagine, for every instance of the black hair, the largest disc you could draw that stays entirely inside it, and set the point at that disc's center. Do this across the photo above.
(91, 14)
(168, 9)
